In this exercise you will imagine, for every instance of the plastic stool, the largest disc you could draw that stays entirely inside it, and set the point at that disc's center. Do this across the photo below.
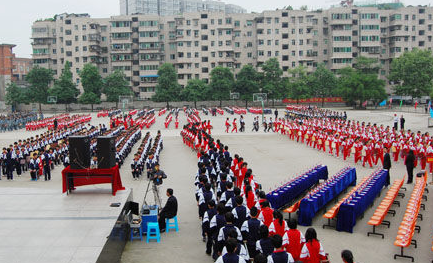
(171, 225)
(140, 232)
(153, 232)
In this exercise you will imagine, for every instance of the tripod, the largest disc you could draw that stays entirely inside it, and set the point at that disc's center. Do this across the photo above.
(155, 191)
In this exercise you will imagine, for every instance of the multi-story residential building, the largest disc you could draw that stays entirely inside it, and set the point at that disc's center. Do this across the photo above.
(21, 67)
(195, 43)
(175, 7)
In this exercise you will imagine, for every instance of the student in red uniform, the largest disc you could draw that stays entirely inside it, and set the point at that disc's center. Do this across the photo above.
(235, 126)
(293, 240)
(266, 214)
(227, 125)
(278, 226)
(312, 251)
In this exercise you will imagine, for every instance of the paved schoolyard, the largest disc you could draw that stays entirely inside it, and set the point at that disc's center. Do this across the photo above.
(274, 158)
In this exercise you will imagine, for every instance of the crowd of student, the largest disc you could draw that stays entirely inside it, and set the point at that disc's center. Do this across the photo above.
(40, 153)
(17, 120)
(147, 156)
(238, 224)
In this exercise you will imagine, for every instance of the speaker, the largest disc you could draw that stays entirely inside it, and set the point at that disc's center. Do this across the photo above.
(79, 152)
(106, 152)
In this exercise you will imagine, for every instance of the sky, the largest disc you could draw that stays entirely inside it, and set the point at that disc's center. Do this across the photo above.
(17, 16)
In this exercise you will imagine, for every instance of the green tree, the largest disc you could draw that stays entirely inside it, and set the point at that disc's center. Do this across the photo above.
(14, 95)
(64, 88)
(221, 83)
(357, 87)
(195, 90)
(91, 80)
(92, 84)
(116, 85)
(412, 73)
(297, 83)
(247, 83)
(89, 98)
(39, 79)
(168, 89)
(322, 83)
(271, 80)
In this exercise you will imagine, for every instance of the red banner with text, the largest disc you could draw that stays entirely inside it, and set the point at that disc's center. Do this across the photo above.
(314, 100)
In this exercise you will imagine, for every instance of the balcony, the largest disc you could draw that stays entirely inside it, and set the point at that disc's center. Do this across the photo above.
(94, 37)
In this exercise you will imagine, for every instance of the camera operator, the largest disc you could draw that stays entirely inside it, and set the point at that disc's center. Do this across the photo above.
(157, 175)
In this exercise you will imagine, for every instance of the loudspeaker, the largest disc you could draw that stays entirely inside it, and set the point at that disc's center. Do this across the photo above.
(106, 152)
(79, 152)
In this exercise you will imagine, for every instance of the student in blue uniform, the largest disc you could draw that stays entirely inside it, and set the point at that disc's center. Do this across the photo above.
(231, 256)
(250, 231)
(279, 255)
(207, 218)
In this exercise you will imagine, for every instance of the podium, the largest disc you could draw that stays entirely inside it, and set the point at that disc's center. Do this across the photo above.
(72, 178)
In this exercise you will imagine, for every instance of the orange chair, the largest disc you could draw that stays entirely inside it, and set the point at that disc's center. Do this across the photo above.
(293, 208)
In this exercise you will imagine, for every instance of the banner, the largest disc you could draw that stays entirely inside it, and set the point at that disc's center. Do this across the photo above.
(401, 103)
(416, 104)
(431, 113)
(364, 104)
(313, 100)
(383, 103)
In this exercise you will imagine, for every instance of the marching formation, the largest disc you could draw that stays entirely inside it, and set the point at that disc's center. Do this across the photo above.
(238, 223)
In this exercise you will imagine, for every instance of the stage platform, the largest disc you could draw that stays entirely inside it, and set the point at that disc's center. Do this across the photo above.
(43, 225)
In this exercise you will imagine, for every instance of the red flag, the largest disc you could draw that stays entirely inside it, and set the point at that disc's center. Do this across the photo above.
(364, 104)
(416, 104)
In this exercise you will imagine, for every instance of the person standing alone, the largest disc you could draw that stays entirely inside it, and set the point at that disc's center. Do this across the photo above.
(402, 121)
(387, 164)
(395, 122)
(410, 160)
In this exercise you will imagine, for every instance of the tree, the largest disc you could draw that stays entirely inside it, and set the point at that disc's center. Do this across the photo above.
(247, 83)
(271, 80)
(322, 82)
(412, 73)
(39, 79)
(14, 95)
(297, 83)
(91, 80)
(116, 85)
(92, 84)
(64, 88)
(89, 98)
(221, 83)
(168, 89)
(355, 86)
(303, 7)
(195, 90)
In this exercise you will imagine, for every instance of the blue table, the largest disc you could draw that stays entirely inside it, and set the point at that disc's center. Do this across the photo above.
(287, 193)
(147, 218)
(351, 209)
(310, 206)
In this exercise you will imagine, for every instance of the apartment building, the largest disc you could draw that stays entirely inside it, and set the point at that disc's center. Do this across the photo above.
(175, 7)
(195, 43)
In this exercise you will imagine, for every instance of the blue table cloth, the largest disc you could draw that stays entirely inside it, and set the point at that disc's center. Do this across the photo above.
(310, 206)
(287, 193)
(351, 209)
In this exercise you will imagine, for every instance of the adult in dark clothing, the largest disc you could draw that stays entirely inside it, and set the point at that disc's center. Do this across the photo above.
(47, 167)
(55, 124)
(410, 159)
(276, 114)
(402, 121)
(387, 164)
(169, 210)
(9, 165)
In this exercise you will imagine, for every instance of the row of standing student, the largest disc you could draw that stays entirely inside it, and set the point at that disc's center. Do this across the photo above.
(237, 213)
